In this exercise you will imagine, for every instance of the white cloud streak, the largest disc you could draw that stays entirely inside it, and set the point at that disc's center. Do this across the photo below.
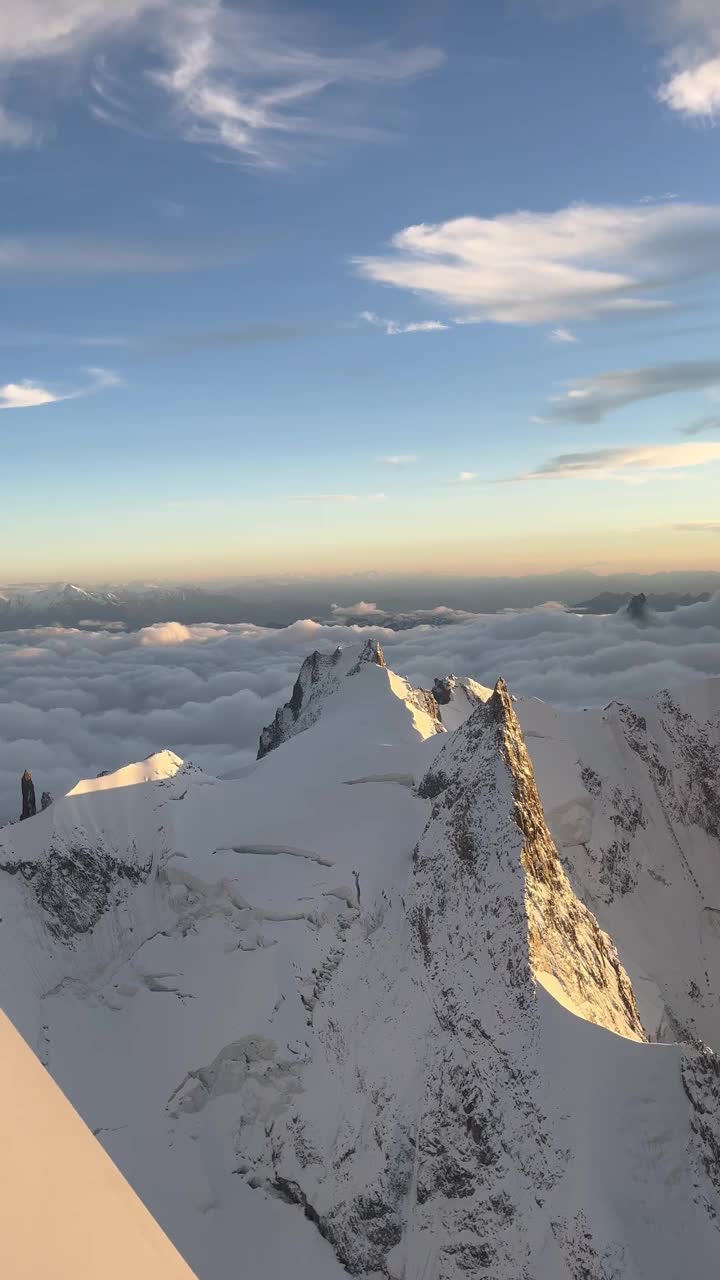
(578, 263)
(31, 395)
(398, 459)
(394, 327)
(562, 335)
(632, 465)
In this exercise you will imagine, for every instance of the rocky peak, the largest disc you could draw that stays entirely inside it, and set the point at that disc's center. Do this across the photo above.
(487, 812)
(320, 674)
(370, 652)
(456, 698)
(638, 608)
(29, 806)
(442, 689)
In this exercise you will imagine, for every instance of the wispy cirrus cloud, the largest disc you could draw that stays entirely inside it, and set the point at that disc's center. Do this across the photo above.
(339, 497)
(592, 399)
(562, 335)
(29, 257)
(700, 425)
(394, 327)
(18, 131)
(578, 263)
(31, 395)
(264, 88)
(36, 29)
(698, 526)
(632, 464)
(398, 459)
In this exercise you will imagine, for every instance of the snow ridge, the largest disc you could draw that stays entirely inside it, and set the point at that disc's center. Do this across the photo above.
(320, 677)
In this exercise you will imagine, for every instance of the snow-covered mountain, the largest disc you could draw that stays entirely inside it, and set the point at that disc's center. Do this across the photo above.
(359, 1011)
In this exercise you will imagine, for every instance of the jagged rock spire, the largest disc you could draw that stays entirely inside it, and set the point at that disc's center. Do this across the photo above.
(638, 609)
(29, 807)
(371, 652)
(563, 946)
(45, 800)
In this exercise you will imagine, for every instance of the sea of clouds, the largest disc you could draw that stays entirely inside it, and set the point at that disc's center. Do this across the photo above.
(75, 702)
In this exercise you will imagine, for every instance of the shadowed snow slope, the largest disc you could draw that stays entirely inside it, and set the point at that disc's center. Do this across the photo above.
(357, 982)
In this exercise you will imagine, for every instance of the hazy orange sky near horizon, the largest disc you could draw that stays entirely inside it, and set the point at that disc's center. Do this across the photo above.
(646, 551)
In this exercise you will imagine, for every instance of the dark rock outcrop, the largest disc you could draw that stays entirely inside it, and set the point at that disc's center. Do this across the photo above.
(638, 609)
(45, 800)
(75, 885)
(29, 806)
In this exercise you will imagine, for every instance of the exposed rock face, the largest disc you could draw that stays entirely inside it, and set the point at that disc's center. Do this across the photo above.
(564, 941)
(75, 885)
(45, 800)
(29, 807)
(319, 676)
(442, 689)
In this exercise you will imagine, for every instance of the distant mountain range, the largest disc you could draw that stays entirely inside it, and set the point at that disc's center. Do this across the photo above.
(613, 601)
(397, 603)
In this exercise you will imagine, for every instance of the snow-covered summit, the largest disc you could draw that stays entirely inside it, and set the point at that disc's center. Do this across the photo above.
(322, 675)
(162, 764)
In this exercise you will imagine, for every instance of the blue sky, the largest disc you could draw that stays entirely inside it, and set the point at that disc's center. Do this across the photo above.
(399, 285)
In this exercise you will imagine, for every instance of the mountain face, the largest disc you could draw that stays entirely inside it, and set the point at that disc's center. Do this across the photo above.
(387, 1005)
(632, 796)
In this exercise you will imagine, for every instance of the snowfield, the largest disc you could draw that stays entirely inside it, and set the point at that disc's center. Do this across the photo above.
(383, 1005)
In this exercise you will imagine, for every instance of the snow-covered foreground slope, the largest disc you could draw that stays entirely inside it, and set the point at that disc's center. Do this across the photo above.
(347, 1013)
(66, 1211)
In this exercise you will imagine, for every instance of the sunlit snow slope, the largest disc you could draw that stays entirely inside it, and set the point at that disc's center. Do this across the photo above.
(351, 1013)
